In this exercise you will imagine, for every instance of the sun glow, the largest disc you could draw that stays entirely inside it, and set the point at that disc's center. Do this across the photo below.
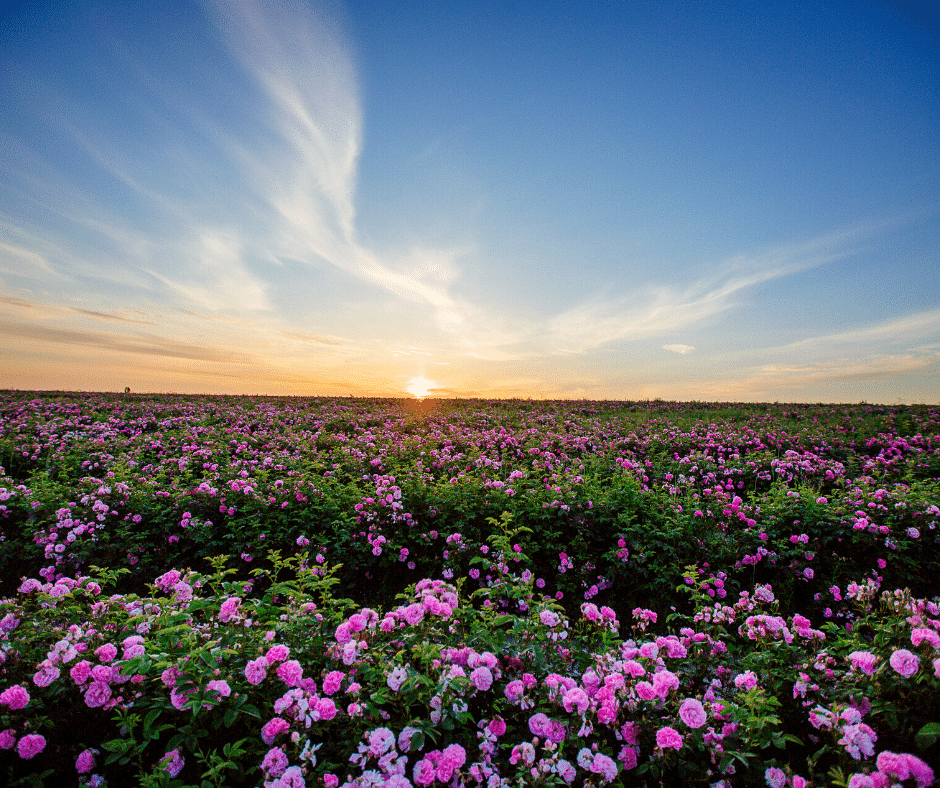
(420, 386)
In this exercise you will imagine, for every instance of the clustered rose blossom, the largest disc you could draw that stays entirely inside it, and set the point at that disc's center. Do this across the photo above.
(173, 762)
(692, 713)
(30, 745)
(904, 662)
(16, 697)
(668, 738)
(85, 761)
(863, 661)
(256, 670)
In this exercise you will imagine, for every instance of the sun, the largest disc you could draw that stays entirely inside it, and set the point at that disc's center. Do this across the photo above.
(420, 386)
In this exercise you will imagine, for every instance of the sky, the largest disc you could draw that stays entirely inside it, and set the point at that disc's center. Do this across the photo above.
(682, 199)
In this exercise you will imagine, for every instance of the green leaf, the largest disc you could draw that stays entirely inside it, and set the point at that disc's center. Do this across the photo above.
(116, 745)
(928, 735)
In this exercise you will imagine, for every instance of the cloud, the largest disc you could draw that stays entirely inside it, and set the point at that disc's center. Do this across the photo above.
(111, 317)
(224, 282)
(681, 349)
(315, 339)
(903, 329)
(306, 173)
(663, 309)
(137, 344)
(45, 311)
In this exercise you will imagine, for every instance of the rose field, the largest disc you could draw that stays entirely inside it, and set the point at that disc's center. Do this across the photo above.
(284, 592)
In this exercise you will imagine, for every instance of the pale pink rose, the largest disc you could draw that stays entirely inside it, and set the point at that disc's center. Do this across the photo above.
(692, 713)
(904, 662)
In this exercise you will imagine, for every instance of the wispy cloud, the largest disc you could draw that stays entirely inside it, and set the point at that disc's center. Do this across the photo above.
(41, 311)
(306, 174)
(683, 350)
(910, 328)
(665, 308)
(224, 282)
(135, 344)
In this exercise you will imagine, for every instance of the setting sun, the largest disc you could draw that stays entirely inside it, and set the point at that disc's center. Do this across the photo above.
(420, 386)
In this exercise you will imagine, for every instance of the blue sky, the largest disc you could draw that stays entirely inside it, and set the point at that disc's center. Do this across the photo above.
(686, 200)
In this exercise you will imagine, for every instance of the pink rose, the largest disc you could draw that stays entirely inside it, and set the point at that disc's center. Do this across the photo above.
(668, 737)
(692, 713)
(30, 746)
(904, 662)
(16, 697)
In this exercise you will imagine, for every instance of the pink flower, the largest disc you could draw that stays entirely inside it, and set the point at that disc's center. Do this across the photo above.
(343, 633)
(453, 757)
(396, 678)
(627, 757)
(746, 680)
(776, 778)
(645, 690)
(85, 761)
(333, 681)
(482, 678)
(272, 728)
(549, 618)
(102, 673)
(668, 737)
(326, 708)
(16, 697)
(633, 668)
(277, 653)
(173, 763)
(513, 691)
(904, 662)
(229, 609)
(179, 699)
(106, 653)
(256, 670)
(290, 673)
(576, 699)
(921, 634)
(538, 723)
(893, 765)
(604, 766)
(45, 675)
(330, 780)
(404, 738)
(7, 739)
(221, 687)
(863, 661)
(424, 773)
(275, 762)
(664, 681)
(80, 671)
(169, 677)
(30, 746)
(859, 740)
(381, 740)
(920, 771)
(566, 771)
(293, 777)
(692, 713)
(97, 694)
(497, 726)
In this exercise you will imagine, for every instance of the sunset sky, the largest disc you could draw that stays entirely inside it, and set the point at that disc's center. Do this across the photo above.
(695, 200)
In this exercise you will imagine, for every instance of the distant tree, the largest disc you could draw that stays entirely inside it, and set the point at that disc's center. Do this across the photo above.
(127, 389)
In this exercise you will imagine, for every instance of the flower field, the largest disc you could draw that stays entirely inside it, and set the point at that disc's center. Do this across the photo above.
(283, 592)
